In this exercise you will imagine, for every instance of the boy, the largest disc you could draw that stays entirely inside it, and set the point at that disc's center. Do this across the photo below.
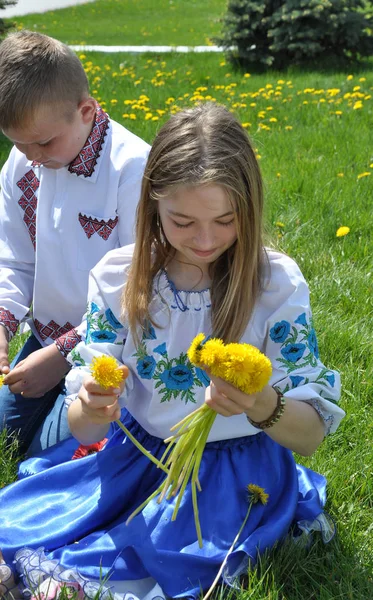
(69, 192)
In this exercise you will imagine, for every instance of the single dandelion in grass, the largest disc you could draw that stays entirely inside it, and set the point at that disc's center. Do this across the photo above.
(106, 372)
(247, 369)
(342, 231)
(256, 494)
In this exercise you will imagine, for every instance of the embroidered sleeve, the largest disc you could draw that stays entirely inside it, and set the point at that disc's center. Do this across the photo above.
(297, 369)
(67, 342)
(16, 254)
(101, 332)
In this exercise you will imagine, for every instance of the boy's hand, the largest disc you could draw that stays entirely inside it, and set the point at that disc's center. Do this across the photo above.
(101, 406)
(38, 373)
(4, 348)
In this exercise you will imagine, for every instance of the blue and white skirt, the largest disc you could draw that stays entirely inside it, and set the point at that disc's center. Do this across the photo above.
(67, 518)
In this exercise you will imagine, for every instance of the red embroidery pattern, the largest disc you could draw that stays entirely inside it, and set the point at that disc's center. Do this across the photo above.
(52, 330)
(85, 162)
(8, 320)
(102, 227)
(82, 450)
(28, 202)
(68, 341)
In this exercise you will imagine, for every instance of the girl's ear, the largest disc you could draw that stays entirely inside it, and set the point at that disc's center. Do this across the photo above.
(87, 108)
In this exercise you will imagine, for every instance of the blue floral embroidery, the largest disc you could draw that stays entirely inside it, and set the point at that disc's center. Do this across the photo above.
(280, 331)
(179, 377)
(298, 344)
(111, 318)
(301, 320)
(174, 377)
(76, 358)
(146, 367)
(103, 336)
(102, 326)
(94, 308)
(293, 352)
(149, 332)
(202, 376)
(296, 380)
(161, 349)
(299, 349)
(330, 379)
(312, 343)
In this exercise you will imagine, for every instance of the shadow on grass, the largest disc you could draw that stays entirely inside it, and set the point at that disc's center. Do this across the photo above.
(324, 65)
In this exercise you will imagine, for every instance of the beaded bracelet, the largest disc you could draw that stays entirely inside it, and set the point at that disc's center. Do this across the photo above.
(274, 417)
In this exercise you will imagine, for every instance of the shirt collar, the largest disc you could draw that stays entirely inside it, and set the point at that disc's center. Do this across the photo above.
(85, 162)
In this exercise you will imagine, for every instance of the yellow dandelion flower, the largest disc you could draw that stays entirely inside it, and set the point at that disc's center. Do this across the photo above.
(357, 105)
(105, 371)
(257, 494)
(349, 77)
(247, 368)
(361, 175)
(340, 174)
(341, 231)
(288, 127)
(278, 175)
(1, 381)
(213, 355)
(371, 166)
(247, 75)
(195, 349)
(279, 224)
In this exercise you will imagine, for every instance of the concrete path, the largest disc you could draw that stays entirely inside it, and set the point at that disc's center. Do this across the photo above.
(139, 49)
(24, 7)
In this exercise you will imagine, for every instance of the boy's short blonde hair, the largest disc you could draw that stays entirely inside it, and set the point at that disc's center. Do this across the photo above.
(37, 71)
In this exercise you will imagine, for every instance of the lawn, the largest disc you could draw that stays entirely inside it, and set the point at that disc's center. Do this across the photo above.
(127, 22)
(312, 134)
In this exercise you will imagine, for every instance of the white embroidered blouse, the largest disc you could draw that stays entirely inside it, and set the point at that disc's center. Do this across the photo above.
(163, 386)
(55, 225)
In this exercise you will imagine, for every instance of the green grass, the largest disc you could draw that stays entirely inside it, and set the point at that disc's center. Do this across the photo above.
(127, 22)
(311, 158)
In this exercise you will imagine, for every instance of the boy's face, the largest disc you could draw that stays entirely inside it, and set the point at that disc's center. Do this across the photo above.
(51, 138)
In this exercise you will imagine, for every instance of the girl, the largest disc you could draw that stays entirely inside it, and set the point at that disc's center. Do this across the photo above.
(198, 265)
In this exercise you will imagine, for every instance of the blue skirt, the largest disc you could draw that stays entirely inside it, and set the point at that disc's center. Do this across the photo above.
(76, 510)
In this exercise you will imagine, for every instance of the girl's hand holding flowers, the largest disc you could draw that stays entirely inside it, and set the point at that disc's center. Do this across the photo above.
(100, 402)
(228, 400)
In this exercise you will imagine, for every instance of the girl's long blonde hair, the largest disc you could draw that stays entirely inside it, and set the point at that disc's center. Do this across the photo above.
(199, 146)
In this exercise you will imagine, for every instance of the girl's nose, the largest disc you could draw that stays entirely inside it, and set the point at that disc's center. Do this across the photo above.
(205, 239)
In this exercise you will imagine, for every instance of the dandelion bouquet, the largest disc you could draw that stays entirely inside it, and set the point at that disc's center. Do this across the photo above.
(242, 365)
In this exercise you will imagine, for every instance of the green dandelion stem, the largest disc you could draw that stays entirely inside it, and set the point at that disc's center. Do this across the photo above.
(196, 515)
(213, 585)
(167, 450)
(141, 447)
(139, 508)
(187, 418)
(182, 490)
(183, 457)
